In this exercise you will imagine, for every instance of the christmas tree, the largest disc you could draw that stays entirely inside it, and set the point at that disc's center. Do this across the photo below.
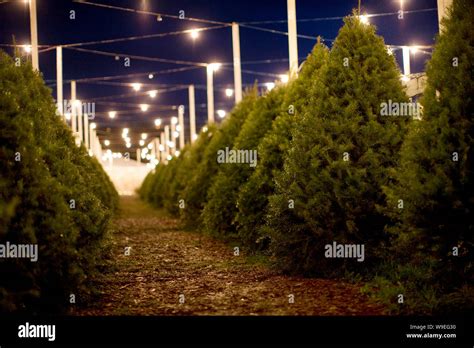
(340, 158)
(253, 196)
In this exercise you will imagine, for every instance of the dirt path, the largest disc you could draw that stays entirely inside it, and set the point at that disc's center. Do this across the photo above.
(166, 263)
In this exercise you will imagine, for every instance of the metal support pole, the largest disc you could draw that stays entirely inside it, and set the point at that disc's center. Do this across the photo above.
(181, 126)
(73, 107)
(59, 79)
(34, 36)
(192, 113)
(406, 60)
(167, 140)
(292, 38)
(163, 152)
(210, 94)
(237, 63)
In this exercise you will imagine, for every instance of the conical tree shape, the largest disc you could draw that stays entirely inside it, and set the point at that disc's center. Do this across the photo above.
(435, 178)
(52, 194)
(253, 196)
(202, 176)
(219, 212)
(340, 159)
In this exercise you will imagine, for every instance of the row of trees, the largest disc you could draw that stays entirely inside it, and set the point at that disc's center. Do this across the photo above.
(332, 168)
(52, 194)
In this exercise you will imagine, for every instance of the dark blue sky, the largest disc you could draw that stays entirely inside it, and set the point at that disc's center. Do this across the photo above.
(93, 23)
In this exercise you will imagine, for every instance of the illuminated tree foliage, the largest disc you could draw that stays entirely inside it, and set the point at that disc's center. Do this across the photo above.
(432, 199)
(52, 193)
(219, 212)
(340, 158)
(252, 207)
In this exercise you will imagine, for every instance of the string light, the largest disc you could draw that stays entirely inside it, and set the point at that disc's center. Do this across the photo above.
(194, 34)
(152, 94)
(413, 49)
(364, 19)
(174, 120)
(150, 146)
(270, 85)
(107, 142)
(158, 122)
(144, 107)
(215, 66)
(27, 48)
(151, 76)
(144, 136)
(284, 78)
(112, 114)
(141, 142)
(229, 92)
(221, 113)
(93, 125)
(136, 86)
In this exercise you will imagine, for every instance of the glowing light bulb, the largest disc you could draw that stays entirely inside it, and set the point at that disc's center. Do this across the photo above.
(229, 92)
(153, 94)
(194, 34)
(284, 78)
(270, 85)
(27, 48)
(214, 66)
(174, 120)
(136, 86)
(141, 142)
(158, 122)
(107, 142)
(112, 114)
(144, 107)
(221, 113)
(144, 136)
(364, 19)
(93, 125)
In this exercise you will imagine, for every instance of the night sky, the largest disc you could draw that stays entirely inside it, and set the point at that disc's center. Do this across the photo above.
(94, 23)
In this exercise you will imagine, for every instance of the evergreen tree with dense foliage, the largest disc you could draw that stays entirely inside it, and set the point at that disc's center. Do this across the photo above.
(340, 158)
(202, 176)
(52, 194)
(432, 198)
(218, 214)
(253, 196)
